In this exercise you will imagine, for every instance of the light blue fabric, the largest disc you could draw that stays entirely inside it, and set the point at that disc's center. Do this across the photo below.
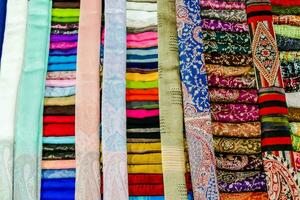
(59, 140)
(58, 173)
(62, 67)
(142, 52)
(29, 107)
(59, 91)
(61, 59)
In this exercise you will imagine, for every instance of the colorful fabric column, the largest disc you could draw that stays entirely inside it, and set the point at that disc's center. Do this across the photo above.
(11, 67)
(276, 142)
(170, 104)
(29, 109)
(115, 185)
(195, 101)
(87, 110)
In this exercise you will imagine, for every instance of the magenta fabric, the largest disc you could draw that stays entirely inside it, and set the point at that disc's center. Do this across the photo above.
(231, 82)
(142, 36)
(214, 4)
(140, 113)
(63, 45)
(218, 25)
(233, 95)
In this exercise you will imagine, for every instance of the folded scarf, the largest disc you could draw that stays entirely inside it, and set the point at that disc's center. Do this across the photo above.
(145, 140)
(143, 130)
(142, 97)
(232, 162)
(131, 58)
(246, 130)
(225, 15)
(60, 83)
(285, 3)
(142, 113)
(64, 52)
(59, 110)
(244, 196)
(142, 77)
(231, 82)
(141, 70)
(289, 56)
(65, 12)
(59, 91)
(140, 159)
(58, 164)
(149, 122)
(242, 181)
(287, 44)
(64, 32)
(56, 155)
(140, 37)
(237, 145)
(58, 147)
(63, 45)
(290, 69)
(222, 47)
(142, 91)
(61, 59)
(291, 84)
(61, 75)
(153, 179)
(59, 140)
(152, 28)
(287, 19)
(287, 30)
(220, 95)
(139, 19)
(141, 6)
(144, 135)
(63, 38)
(142, 104)
(294, 114)
(145, 169)
(142, 52)
(62, 67)
(58, 173)
(64, 26)
(60, 101)
(153, 65)
(58, 130)
(227, 59)
(190, 197)
(141, 84)
(144, 147)
(217, 4)
(58, 184)
(227, 37)
(142, 44)
(66, 4)
(218, 25)
(291, 10)
(65, 19)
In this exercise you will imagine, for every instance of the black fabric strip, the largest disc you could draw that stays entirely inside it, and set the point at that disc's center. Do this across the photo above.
(267, 104)
(259, 13)
(58, 147)
(144, 135)
(277, 133)
(281, 147)
(57, 155)
(59, 110)
(148, 122)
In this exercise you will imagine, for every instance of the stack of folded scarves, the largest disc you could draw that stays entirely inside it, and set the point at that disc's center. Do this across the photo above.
(286, 18)
(58, 165)
(233, 98)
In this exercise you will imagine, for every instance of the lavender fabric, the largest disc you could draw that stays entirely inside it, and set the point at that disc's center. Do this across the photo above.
(63, 38)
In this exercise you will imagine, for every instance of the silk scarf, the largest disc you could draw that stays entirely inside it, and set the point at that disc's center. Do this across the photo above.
(276, 140)
(29, 110)
(11, 66)
(195, 100)
(113, 102)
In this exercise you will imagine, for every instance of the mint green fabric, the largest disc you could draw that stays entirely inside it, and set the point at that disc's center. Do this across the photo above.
(29, 108)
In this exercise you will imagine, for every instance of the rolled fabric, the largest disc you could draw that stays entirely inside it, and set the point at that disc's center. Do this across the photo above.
(142, 44)
(58, 173)
(149, 158)
(142, 77)
(287, 30)
(142, 29)
(190, 197)
(59, 110)
(142, 91)
(61, 75)
(222, 5)
(65, 12)
(64, 32)
(144, 147)
(146, 140)
(292, 84)
(233, 162)
(141, 6)
(142, 113)
(145, 169)
(246, 129)
(227, 59)
(142, 104)
(58, 119)
(285, 3)
(140, 37)
(60, 83)
(242, 181)
(58, 184)
(243, 82)
(220, 70)
(220, 95)
(224, 47)
(63, 38)
(64, 26)
(142, 52)
(288, 56)
(296, 142)
(59, 140)
(63, 45)
(135, 179)
(62, 67)
(220, 36)
(142, 97)
(151, 190)
(63, 52)
(56, 155)
(141, 84)
(61, 59)
(294, 114)
(139, 19)
(58, 130)
(141, 70)
(60, 101)
(237, 145)
(59, 91)
(244, 196)
(66, 5)
(143, 130)
(287, 44)
(287, 19)
(58, 164)
(290, 69)
(143, 135)
(288, 10)
(218, 25)
(225, 15)
(149, 122)
(57, 194)
(152, 65)
(58, 147)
